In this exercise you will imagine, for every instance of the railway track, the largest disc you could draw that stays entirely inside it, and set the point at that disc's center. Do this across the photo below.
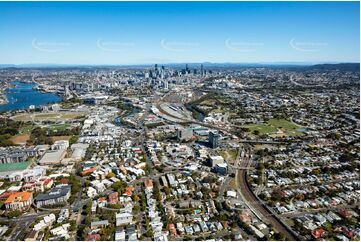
(261, 208)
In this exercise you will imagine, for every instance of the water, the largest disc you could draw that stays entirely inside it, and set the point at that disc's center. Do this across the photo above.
(196, 114)
(22, 96)
(118, 121)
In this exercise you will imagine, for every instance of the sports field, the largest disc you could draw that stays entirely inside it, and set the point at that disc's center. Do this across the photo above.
(59, 116)
(14, 166)
(276, 127)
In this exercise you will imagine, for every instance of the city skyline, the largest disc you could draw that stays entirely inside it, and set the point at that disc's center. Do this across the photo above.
(124, 33)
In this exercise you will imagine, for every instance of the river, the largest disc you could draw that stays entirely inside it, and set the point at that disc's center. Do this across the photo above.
(23, 95)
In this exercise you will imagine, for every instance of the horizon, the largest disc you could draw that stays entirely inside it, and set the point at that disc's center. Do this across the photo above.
(55, 65)
(143, 33)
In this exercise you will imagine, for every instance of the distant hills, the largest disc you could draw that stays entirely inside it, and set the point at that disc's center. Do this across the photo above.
(300, 66)
(339, 67)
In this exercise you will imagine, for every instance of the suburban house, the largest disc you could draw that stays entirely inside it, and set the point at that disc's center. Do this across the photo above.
(123, 218)
(40, 186)
(113, 197)
(99, 224)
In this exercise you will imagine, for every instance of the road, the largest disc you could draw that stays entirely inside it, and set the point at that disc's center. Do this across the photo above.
(256, 204)
(226, 130)
(21, 224)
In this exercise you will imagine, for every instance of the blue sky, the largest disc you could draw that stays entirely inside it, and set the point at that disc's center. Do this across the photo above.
(170, 32)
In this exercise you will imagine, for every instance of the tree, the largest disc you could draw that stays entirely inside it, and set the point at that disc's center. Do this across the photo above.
(73, 139)
(136, 209)
(346, 157)
(88, 207)
(149, 233)
(14, 214)
(72, 225)
(110, 175)
(119, 186)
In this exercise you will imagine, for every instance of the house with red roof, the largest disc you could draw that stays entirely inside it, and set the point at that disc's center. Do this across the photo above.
(148, 184)
(19, 201)
(102, 202)
(129, 191)
(93, 237)
(172, 229)
(345, 213)
(245, 217)
(348, 233)
(40, 186)
(5, 196)
(113, 197)
(136, 150)
(318, 233)
(88, 171)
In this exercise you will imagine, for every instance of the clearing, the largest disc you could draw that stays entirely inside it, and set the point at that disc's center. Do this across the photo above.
(276, 127)
(56, 116)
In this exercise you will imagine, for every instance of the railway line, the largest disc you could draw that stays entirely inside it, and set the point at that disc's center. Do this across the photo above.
(257, 206)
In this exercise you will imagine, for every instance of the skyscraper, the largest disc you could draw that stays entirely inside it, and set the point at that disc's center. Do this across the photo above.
(156, 70)
(165, 84)
(213, 139)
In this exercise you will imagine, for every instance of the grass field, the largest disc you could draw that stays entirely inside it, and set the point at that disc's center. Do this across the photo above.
(276, 127)
(262, 128)
(283, 124)
(26, 129)
(60, 116)
(14, 166)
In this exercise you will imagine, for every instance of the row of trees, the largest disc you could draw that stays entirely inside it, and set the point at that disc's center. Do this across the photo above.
(8, 128)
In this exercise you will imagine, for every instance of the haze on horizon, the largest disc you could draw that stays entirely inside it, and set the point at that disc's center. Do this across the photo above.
(99, 33)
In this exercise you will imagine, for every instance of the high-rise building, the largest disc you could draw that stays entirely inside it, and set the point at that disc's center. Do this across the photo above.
(213, 139)
(165, 85)
(156, 70)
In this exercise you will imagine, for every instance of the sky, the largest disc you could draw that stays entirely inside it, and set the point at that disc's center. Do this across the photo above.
(178, 32)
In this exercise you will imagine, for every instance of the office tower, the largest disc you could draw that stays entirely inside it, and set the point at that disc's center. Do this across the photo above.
(156, 70)
(213, 139)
